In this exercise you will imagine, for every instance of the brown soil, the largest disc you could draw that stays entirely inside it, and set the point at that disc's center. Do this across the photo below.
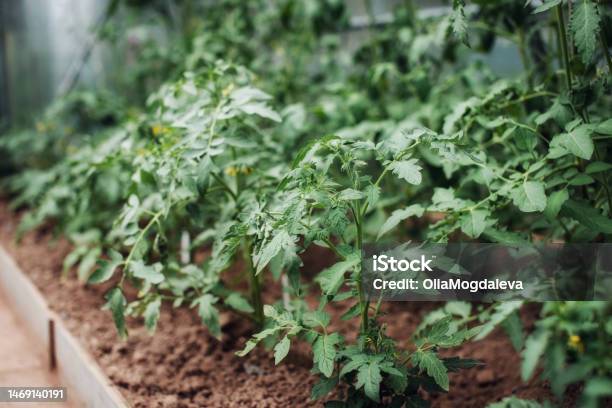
(182, 366)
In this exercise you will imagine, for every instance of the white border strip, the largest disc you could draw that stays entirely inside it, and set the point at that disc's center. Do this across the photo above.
(74, 364)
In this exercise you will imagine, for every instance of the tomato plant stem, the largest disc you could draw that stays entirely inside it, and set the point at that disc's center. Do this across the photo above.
(563, 45)
(255, 285)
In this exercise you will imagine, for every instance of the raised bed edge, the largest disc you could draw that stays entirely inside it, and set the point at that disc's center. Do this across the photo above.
(74, 365)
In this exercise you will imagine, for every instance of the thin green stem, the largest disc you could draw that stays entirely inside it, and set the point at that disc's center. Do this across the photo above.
(255, 284)
(563, 45)
(140, 237)
(359, 245)
(225, 186)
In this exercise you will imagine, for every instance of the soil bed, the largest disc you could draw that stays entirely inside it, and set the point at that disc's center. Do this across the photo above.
(183, 366)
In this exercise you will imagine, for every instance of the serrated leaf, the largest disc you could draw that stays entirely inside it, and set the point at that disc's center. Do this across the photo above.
(331, 279)
(281, 350)
(546, 6)
(454, 364)
(369, 378)
(350, 194)
(578, 141)
(209, 313)
(106, 269)
(115, 302)
(149, 273)
(356, 362)
(237, 302)
(458, 22)
(534, 347)
(529, 196)
(324, 352)
(407, 170)
(430, 363)
(398, 216)
(372, 193)
(151, 314)
(474, 222)
(252, 343)
(317, 318)
(282, 240)
(585, 26)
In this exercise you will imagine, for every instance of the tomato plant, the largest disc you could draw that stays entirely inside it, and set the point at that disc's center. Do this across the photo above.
(268, 137)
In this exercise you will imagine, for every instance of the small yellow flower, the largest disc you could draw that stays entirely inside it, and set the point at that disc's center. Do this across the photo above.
(40, 127)
(231, 171)
(227, 90)
(575, 342)
(246, 170)
(158, 130)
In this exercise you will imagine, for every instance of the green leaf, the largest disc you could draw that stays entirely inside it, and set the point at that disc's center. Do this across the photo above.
(454, 364)
(501, 313)
(209, 314)
(149, 273)
(504, 237)
(587, 216)
(281, 350)
(597, 167)
(585, 26)
(331, 279)
(555, 202)
(578, 141)
(372, 193)
(458, 22)
(317, 318)
(88, 262)
(151, 314)
(514, 328)
(534, 347)
(250, 345)
(115, 302)
(581, 180)
(356, 362)
(323, 387)
(407, 170)
(514, 402)
(107, 268)
(261, 109)
(282, 240)
(430, 363)
(529, 196)
(546, 6)
(474, 223)
(369, 378)
(604, 128)
(598, 387)
(398, 216)
(350, 194)
(324, 352)
(237, 302)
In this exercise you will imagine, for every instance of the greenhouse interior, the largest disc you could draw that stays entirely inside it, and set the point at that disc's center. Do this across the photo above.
(306, 203)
